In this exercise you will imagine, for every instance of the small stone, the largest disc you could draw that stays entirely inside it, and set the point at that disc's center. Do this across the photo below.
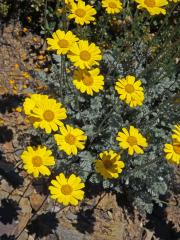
(110, 214)
(70, 216)
(36, 200)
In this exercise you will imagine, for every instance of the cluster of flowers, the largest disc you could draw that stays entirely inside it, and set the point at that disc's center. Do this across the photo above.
(48, 114)
(83, 13)
(84, 56)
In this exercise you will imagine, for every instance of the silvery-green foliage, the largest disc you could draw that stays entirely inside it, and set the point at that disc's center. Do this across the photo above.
(145, 177)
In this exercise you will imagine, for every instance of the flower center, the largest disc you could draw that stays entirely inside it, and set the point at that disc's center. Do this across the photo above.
(66, 189)
(87, 80)
(108, 164)
(63, 43)
(150, 3)
(112, 5)
(37, 161)
(129, 88)
(70, 139)
(176, 148)
(80, 12)
(85, 55)
(48, 115)
(132, 140)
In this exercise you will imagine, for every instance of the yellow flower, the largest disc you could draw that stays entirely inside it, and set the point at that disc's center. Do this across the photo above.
(18, 109)
(45, 113)
(154, 7)
(31, 101)
(2, 122)
(83, 14)
(173, 152)
(61, 41)
(24, 29)
(109, 165)
(37, 160)
(16, 66)
(25, 75)
(131, 140)
(174, 1)
(112, 6)
(29, 19)
(11, 81)
(70, 2)
(130, 91)
(70, 140)
(85, 55)
(67, 190)
(176, 134)
(88, 81)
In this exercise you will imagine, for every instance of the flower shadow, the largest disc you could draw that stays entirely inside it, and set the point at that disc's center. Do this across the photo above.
(41, 185)
(43, 225)
(6, 237)
(85, 221)
(8, 102)
(8, 172)
(9, 211)
(158, 223)
(6, 134)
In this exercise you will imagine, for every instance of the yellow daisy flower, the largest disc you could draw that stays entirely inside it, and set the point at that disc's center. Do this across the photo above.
(130, 91)
(37, 160)
(109, 165)
(154, 7)
(45, 113)
(61, 41)
(174, 1)
(83, 14)
(88, 81)
(85, 55)
(70, 140)
(131, 140)
(69, 1)
(173, 152)
(176, 132)
(67, 190)
(30, 102)
(112, 6)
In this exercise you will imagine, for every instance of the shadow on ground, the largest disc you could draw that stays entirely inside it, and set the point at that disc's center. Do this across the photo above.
(9, 211)
(6, 237)
(8, 172)
(6, 134)
(85, 221)
(41, 186)
(162, 229)
(43, 225)
(9, 102)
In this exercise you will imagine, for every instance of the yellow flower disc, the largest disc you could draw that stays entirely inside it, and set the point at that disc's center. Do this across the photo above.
(88, 81)
(85, 55)
(154, 7)
(112, 6)
(130, 91)
(131, 140)
(37, 160)
(67, 190)
(81, 13)
(44, 113)
(70, 139)
(109, 164)
(61, 41)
